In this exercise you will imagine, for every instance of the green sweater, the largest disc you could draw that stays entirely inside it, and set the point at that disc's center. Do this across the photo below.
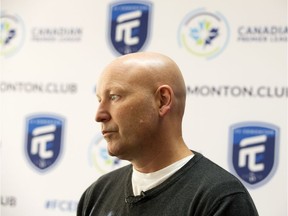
(199, 188)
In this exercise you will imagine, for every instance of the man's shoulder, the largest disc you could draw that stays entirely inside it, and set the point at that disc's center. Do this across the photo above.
(215, 176)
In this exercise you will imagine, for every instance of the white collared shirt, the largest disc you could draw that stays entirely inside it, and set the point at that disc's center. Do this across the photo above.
(145, 181)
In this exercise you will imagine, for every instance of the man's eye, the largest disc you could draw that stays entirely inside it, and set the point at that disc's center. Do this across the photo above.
(114, 97)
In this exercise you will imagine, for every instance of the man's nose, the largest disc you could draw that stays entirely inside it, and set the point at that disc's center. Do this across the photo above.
(102, 114)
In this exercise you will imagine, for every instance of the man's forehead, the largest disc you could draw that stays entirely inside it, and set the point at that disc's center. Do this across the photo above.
(122, 75)
(119, 76)
(110, 85)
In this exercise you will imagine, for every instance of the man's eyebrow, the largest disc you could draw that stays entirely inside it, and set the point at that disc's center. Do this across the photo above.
(114, 87)
(110, 89)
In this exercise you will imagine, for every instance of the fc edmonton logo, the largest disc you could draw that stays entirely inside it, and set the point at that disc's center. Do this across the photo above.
(129, 25)
(44, 140)
(254, 151)
(203, 33)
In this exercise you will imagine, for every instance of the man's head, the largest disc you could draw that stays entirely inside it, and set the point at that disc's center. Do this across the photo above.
(141, 104)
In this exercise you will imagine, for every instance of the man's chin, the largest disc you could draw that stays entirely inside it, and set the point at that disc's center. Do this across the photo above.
(112, 152)
(117, 154)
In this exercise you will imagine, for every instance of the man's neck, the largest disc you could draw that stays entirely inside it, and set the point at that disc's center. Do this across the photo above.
(161, 159)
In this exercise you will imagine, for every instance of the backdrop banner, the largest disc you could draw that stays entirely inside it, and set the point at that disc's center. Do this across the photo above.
(233, 56)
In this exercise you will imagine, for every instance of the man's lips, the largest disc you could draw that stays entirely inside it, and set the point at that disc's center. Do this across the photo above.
(107, 132)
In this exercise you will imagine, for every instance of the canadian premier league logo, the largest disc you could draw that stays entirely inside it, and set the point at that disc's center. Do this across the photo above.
(44, 140)
(129, 25)
(254, 151)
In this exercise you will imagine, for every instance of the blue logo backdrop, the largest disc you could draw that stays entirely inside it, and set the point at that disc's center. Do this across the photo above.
(129, 25)
(44, 140)
(254, 151)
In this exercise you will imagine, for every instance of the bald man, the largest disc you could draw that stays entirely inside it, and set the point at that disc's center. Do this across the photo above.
(141, 105)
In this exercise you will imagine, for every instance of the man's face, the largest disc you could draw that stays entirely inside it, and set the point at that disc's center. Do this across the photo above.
(127, 112)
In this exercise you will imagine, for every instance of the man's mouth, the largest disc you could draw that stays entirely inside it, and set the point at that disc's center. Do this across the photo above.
(107, 132)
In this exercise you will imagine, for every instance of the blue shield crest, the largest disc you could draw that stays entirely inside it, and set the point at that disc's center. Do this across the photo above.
(44, 140)
(129, 25)
(254, 151)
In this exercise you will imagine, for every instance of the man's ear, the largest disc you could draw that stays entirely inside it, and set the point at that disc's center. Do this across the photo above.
(164, 97)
